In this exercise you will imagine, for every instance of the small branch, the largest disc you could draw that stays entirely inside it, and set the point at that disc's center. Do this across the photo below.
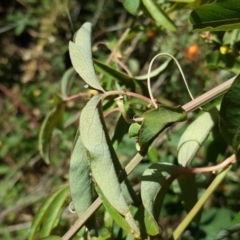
(123, 66)
(208, 96)
(119, 101)
(110, 112)
(76, 96)
(129, 94)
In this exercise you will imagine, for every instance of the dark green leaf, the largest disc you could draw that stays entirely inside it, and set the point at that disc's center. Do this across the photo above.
(229, 121)
(189, 193)
(118, 218)
(50, 122)
(225, 61)
(114, 74)
(220, 15)
(154, 121)
(120, 130)
(159, 15)
(226, 233)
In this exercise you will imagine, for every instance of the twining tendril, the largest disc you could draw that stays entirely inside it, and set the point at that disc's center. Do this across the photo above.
(180, 70)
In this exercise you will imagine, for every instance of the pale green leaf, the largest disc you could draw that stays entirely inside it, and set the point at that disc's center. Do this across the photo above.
(80, 181)
(45, 136)
(193, 137)
(155, 183)
(101, 156)
(67, 76)
(131, 6)
(81, 56)
(80, 178)
(159, 15)
(156, 71)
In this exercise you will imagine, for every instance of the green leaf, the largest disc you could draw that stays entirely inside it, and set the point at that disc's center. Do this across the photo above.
(159, 15)
(67, 76)
(119, 76)
(236, 218)
(101, 156)
(124, 78)
(220, 15)
(53, 213)
(193, 137)
(227, 232)
(189, 193)
(156, 71)
(225, 61)
(48, 214)
(134, 130)
(229, 121)
(50, 238)
(154, 186)
(118, 218)
(80, 181)
(148, 224)
(154, 121)
(81, 56)
(50, 122)
(131, 6)
(120, 130)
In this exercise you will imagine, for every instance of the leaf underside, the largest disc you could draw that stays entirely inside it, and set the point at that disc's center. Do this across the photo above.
(101, 156)
(81, 56)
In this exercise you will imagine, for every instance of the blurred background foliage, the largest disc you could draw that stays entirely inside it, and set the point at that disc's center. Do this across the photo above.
(34, 38)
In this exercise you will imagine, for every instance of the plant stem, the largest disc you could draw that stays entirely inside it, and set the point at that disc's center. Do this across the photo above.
(188, 219)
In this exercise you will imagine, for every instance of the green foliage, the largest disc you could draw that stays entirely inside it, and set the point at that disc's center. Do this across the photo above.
(219, 15)
(48, 214)
(163, 116)
(81, 56)
(144, 189)
(52, 120)
(229, 115)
